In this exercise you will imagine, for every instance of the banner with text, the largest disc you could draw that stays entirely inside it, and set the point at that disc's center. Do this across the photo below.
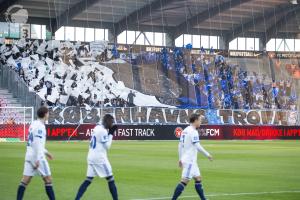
(173, 132)
(161, 132)
(154, 115)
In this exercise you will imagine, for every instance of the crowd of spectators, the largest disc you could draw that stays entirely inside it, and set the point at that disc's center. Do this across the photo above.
(227, 86)
(55, 72)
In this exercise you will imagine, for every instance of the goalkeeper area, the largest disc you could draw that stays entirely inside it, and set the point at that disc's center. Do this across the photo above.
(242, 170)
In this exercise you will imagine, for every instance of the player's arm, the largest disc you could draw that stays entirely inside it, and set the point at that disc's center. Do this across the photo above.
(37, 147)
(110, 134)
(180, 147)
(106, 140)
(48, 154)
(199, 147)
(107, 137)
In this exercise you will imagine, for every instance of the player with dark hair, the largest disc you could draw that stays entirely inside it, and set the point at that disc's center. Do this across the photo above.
(35, 161)
(188, 148)
(98, 163)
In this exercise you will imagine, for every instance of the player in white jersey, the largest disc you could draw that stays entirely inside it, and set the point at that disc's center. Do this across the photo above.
(98, 163)
(188, 148)
(35, 159)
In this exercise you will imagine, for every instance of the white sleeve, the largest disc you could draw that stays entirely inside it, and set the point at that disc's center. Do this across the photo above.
(45, 151)
(195, 137)
(180, 150)
(201, 149)
(107, 141)
(104, 138)
(37, 146)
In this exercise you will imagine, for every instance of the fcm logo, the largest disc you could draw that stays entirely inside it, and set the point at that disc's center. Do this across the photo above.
(209, 132)
(178, 132)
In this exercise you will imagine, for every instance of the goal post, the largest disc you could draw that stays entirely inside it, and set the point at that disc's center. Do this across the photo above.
(14, 123)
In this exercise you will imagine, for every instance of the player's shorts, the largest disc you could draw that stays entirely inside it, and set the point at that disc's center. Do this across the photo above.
(42, 170)
(102, 170)
(190, 170)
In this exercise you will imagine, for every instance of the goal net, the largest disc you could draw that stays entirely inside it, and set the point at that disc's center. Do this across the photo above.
(14, 123)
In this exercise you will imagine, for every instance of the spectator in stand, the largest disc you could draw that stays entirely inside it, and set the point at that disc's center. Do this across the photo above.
(130, 98)
(10, 121)
(107, 103)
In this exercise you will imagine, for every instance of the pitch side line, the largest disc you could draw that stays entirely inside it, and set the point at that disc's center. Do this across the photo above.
(225, 194)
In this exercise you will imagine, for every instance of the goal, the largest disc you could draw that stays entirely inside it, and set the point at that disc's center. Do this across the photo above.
(14, 123)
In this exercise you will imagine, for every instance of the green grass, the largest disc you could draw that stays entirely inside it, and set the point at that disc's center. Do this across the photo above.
(149, 169)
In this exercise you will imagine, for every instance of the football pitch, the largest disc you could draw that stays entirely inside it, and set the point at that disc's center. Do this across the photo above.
(242, 170)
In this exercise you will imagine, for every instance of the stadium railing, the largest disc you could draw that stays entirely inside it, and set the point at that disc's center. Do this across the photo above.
(10, 80)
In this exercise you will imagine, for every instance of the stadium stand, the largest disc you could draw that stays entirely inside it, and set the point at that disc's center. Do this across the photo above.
(66, 74)
(9, 115)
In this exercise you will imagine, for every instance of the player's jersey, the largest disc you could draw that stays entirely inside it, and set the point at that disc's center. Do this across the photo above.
(36, 141)
(99, 144)
(189, 151)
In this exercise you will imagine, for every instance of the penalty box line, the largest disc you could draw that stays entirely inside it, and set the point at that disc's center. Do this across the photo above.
(226, 194)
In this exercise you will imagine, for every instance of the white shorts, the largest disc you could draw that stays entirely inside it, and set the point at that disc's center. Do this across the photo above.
(42, 170)
(190, 170)
(102, 170)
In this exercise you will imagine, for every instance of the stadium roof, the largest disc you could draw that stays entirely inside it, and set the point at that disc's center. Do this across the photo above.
(228, 18)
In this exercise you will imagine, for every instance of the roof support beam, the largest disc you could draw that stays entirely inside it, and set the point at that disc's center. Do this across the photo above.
(90, 24)
(205, 15)
(274, 29)
(76, 9)
(245, 27)
(133, 18)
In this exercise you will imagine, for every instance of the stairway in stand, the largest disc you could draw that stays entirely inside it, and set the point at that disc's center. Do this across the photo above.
(14, 110)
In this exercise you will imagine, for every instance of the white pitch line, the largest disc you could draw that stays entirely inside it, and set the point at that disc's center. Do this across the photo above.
(225, 194)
